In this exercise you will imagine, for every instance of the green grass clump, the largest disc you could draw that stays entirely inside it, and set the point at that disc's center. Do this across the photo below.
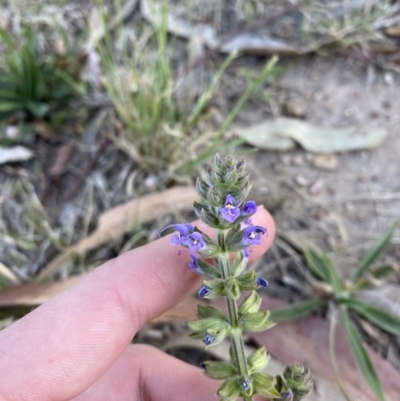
(38, 85)
(142, 86)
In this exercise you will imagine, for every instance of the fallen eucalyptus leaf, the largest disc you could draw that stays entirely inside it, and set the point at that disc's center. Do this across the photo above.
(123, 218)
(14, 154)
(282, 133)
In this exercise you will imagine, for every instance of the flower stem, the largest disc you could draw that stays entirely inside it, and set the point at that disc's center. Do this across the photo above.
(236, 336)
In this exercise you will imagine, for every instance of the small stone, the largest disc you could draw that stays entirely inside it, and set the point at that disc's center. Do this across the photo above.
(316, 187)
(12, 131)
(294, 109)
(298, 160)
(285, 159)
(151, 182)
(326, 162)
(388, 78)
(301, 180)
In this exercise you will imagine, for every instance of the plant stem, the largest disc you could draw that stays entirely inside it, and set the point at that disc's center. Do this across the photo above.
(236, 336)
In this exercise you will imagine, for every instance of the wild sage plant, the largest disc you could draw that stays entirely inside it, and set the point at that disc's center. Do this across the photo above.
(224, 207)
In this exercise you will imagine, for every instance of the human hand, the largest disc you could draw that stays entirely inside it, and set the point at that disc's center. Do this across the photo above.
(76, 345)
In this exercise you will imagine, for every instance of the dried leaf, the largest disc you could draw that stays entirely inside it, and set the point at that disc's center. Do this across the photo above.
(121, 219)
(282, 133)
(33, 294)
(14, 154)
(64, 153)
(307, 340)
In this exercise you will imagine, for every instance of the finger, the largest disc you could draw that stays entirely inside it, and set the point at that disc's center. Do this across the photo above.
(143, 373)
(67, 343)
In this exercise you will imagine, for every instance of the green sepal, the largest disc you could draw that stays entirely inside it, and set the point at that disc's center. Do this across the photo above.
(219, 370)
(232, 289)
(247, 281)
(233, 241)
(208, 325)
(205, 312)
(251, 304)
(232, 232)
(216, 292)
(208, 271)
(258, 360)
(209, 218)
(229, 390)
(239, 264)
(212, 248)
(216, 283)
(202, 188)
(256, 321)
(264, 384)
(214, 198)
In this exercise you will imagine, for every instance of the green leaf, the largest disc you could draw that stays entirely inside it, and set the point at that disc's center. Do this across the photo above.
(381, 318)
(10, 106)
(258, 360)
(333, 275)
(373, 254)
(316, 264)
(296, 311)
(219, 370)
(378, 273)
(361, 356)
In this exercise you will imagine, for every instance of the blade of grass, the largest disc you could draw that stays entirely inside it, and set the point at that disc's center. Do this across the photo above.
(361, 356)
(373, 254)
(316, 264)
(6, 38)
(381, 318)
(266, 73)
(332, 331)
(334, 278)
(206, 96)
(296, 311)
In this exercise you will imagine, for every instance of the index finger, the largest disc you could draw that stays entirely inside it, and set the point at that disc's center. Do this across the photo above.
(62, 347)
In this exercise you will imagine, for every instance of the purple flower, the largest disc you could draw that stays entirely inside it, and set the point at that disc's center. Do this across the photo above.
(193, 264)
(230, 211)
(208, 339)
(203, 365)
(250, 207)
(203, 292)
(184, 230)
(262, 282)
(195, 242)
(246, 253)
(252, 235)
(245, 223)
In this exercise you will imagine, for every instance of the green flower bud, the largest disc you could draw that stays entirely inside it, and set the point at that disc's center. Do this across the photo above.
(298, 380)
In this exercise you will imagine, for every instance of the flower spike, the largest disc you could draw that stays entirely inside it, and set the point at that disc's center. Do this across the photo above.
(223, 207)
